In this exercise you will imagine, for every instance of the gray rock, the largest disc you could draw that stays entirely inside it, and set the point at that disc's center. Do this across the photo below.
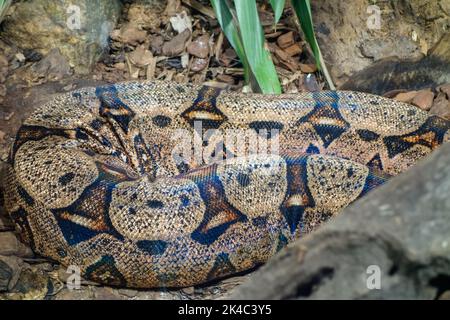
(84, 293)
(350, 40)
(401, 232)
(106, 293)
(10, 245)
(10, 268)
(33, 284)
(53, 66)
(128, 293)
(78, 28)
(392, 73)
(5, 275)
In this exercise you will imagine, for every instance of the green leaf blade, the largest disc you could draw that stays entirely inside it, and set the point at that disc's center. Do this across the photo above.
(302, 9)
(277, 6)
(227, 23)
(4, 5)
(253, 41)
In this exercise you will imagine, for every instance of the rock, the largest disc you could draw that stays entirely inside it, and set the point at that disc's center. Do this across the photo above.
(378, 49)
(199, 64)
(53, 67)
(445, 89)
(10, 245)
(130, 33)
(406, 96)
(129, 293)
(397, 234)
(79, 29)
(446, 6)
(176, 45)
(10, 268)
(423, 99)
(85, 293)
(2, 135)
(105, 293)
(227, 285)
(441, 49)
(199, 47)
(441, 106)
(393, 73)
(351, 38)
(157, 295)
(32, 285)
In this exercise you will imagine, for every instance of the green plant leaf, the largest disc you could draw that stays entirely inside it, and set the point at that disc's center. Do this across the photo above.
(258, 57)
(229, 28)
(4, 5)
(277, 6)
(302, 9)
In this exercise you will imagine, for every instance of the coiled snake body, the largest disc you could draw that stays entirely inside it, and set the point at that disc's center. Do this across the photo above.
(97, 179)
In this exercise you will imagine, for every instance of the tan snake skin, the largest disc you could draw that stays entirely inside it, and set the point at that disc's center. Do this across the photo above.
(96, 178)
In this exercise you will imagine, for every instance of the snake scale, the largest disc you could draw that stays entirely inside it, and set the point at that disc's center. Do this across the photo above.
(97, 178)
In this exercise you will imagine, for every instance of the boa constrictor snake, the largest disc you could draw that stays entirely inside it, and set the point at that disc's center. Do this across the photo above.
(94, 179)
